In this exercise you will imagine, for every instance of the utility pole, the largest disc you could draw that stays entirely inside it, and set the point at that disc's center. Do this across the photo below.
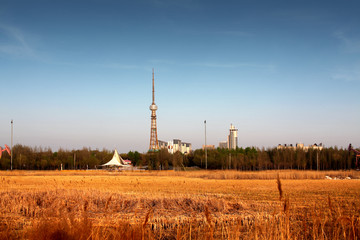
(12, 122)
(205, 147)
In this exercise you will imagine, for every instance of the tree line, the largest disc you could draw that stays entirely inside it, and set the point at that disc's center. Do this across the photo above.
(37, 158)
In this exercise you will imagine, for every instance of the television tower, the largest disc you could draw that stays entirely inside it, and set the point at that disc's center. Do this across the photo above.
(154, 144)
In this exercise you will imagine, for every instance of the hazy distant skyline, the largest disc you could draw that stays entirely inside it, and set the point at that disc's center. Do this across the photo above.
(78, 74)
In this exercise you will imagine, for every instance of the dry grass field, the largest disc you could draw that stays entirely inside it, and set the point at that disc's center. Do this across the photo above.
(179, 205)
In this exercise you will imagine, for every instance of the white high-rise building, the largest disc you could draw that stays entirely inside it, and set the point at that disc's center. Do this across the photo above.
(233, 137)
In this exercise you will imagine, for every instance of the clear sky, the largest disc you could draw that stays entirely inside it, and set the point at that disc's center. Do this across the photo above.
(78, 74)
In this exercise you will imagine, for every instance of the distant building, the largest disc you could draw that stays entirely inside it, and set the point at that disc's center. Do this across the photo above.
(223, 144)
(128, 162)
(208, 147)
(233, 137)
(176, 145)
(186, 148)
(285, 146)
(317, 147)
(301, 146)
(162, 144)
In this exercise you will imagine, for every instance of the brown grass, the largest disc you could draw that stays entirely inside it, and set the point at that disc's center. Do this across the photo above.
(214, 174)
(173, 205)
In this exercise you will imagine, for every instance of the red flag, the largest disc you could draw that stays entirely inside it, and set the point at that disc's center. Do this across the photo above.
(8, 149)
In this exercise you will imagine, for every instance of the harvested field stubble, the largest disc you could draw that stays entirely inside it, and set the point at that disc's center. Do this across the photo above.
(168, 205)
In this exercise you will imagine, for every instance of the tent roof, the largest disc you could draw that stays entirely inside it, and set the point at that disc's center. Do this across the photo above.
(115, 161)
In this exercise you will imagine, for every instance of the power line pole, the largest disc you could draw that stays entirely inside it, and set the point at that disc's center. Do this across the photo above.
(205, 147)
(11, 167)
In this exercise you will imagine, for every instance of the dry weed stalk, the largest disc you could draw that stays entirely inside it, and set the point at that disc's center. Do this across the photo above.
(108, 202)
(286, 205)
(209, 221)
(147, 217)
(279, 187)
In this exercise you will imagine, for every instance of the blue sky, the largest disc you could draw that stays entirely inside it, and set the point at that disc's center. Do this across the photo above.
(78, 74)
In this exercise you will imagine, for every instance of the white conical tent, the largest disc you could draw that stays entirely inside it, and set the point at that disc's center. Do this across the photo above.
(115, 161)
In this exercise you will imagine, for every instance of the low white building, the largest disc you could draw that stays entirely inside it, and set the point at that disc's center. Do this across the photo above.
(176, 145)
(162, 144)
(301, 146)
(223, 144)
